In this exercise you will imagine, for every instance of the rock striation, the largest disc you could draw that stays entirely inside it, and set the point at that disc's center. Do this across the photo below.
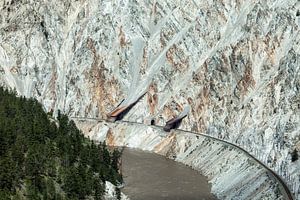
(236, 63)
(232, 173)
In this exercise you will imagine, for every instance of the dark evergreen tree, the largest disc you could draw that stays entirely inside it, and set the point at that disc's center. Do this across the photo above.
(42, 160)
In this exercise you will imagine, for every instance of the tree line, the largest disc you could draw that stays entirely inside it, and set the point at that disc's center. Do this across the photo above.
(46, 158)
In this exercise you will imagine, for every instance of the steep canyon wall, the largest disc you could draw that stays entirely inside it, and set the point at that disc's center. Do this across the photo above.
(236, 63)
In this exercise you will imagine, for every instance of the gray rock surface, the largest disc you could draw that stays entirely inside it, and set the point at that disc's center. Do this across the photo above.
(233, 175)
(236, 63)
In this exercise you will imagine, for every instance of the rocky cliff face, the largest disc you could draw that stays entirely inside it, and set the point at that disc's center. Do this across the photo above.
(233, 175)
(236, 63)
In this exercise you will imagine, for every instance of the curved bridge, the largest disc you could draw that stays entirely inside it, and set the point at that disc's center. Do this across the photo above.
(282, 185)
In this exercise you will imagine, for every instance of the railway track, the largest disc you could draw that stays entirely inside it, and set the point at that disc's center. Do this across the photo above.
(282, 185)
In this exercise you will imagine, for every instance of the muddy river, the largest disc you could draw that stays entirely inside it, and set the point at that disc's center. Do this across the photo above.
(149, 176)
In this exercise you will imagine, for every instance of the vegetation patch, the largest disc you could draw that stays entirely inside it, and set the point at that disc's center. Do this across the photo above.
(43, 158)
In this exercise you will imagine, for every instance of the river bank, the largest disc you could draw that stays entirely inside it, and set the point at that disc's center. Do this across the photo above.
(151, 176)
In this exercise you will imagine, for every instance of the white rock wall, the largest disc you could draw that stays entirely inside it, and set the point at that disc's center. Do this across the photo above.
(110, 192)
(232, 174)
(236, 63)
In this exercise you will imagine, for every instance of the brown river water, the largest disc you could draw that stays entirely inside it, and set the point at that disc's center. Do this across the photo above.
(149, 176)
